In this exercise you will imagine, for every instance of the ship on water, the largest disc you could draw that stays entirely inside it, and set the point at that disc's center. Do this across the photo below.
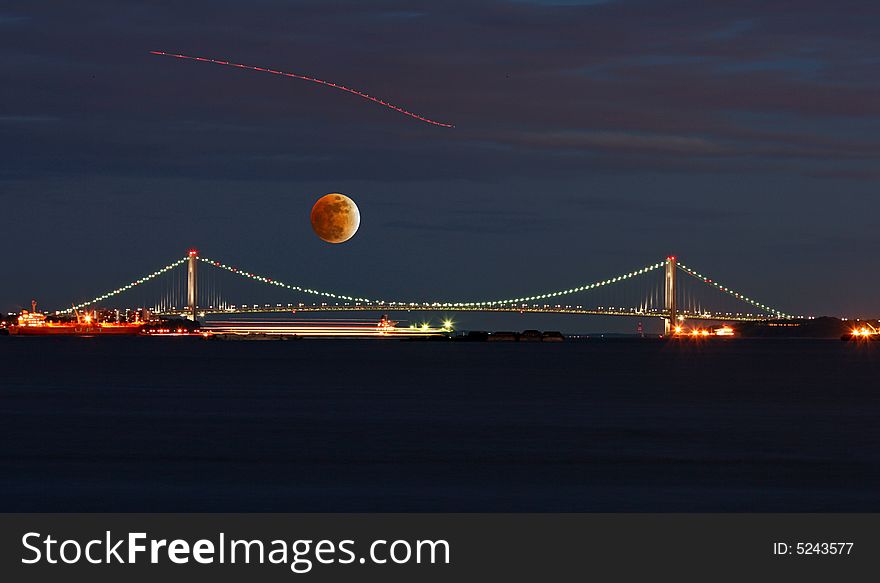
(34, 323)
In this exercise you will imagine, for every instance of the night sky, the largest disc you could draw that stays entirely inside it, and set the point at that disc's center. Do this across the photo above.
(591, 138)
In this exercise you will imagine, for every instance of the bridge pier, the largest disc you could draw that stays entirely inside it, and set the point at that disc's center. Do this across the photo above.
(191, 289)
(671, 312)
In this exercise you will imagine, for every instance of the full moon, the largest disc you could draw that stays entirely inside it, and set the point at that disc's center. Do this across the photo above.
(335, 218)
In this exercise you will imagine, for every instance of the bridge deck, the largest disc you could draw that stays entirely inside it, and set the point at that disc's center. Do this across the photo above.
(532, 309)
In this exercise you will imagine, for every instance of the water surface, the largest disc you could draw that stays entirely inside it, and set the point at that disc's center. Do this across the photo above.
(182, 424)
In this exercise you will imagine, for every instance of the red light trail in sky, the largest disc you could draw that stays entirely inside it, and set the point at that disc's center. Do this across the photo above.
(313, 80)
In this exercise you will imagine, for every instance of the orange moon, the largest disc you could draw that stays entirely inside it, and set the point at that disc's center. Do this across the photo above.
(335, 218)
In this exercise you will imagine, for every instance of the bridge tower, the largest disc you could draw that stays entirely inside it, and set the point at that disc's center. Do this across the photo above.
(191, 295)
(671, 312)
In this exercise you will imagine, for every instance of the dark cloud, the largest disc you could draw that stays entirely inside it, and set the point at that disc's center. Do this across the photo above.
(487, 221)
(681, 215)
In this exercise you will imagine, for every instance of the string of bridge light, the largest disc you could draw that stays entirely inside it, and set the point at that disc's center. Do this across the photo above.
(124, 288)
(270, 281)
(525, 299)
(733, 293)
(574, 290)
(520, 300)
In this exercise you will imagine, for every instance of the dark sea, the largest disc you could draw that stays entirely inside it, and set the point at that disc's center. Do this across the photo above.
(183, 424)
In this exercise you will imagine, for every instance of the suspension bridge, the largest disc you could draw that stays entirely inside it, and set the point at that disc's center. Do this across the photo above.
(195, 286)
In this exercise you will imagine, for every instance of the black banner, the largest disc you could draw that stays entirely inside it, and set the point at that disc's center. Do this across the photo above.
(438, 547)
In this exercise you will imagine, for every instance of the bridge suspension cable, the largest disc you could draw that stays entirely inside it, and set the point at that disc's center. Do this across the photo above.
(710, 282)
(270, 281)
(540, 296)
(566, 292)
(510, 303)
(124, 288)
